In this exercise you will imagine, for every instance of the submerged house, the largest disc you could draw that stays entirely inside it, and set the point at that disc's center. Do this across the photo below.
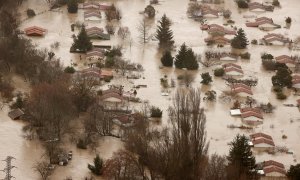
(97, 33)
(92, 15)
(215, 29)
(241, 90)
(95, 73)
(35, 31)
(220, 40)
(95, 55)
(263, 23)
(262, 142)
(232, 69)
(251, 116)
(287, 60)
(271, 170)
(259, 7)
(276, 39)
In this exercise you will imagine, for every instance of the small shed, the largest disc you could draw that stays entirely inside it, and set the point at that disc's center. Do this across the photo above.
(15, 114)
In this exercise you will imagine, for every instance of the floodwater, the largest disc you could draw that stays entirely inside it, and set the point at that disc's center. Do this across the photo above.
(284, 120)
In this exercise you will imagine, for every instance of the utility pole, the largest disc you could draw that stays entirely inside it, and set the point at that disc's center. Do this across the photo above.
(8, 168)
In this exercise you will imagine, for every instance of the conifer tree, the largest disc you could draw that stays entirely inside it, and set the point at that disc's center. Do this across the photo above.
(164, 34)
(181, 56)
(97, 167)
(72, 6)
(240, 40)
(186, 58)
(191, 60)
(167, 59)
(241, 161)
(282, 78)
(82, 42)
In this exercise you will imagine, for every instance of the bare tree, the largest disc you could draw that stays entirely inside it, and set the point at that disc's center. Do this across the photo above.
(143, 29)
(43, 169)
(210, 59)
(187, 79)
(216, 169)
(123, 32)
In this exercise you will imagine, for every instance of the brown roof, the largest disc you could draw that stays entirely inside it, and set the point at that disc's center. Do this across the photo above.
(250, 113)
(274, 169)
(109, 95)
(241, 89)
(35, 28)
(128, 118)
(15, 114)
(296, 76)
(296, 81)
(240, 85)
(273, 163)
(263, 140)
(259, 21)
(230, 69)
(247, 109)
(260, 135)
(275, 37)
(232, 64)
(92, 13)
(298, 101)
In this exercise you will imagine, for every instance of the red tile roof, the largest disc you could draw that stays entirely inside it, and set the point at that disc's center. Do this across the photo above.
(274, 169)
(230, 69)
(34, 31)
(242, 90)
(263, 140)
(250, 113)
(273, 163)
(260, 135)
(232, 64)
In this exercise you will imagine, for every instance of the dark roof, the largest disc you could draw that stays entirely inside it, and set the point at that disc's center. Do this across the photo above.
(15, 114)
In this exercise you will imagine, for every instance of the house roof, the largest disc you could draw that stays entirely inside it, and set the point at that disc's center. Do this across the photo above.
(232, 65)
(296, 76)
(251, 113)
(128, 118)
(240, 85)
(260, 21)
(16, 113)
(295, 81)
(110, 95)
(34, 31)
(275, 37)
(260, 135)
(215, 28)
(88, 14)
(273, 163)
(217, 39)
(247, 109)
(242, 90)
(35, 28)
(274, 169)
(233, 69)
(263, 141)
(298, 101)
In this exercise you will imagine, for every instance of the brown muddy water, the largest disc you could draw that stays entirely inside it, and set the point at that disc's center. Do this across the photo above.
(284, 121)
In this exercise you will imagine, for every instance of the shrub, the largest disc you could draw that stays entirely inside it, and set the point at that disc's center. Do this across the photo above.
(206, 78)
(107, 79)
(156, 112)
(280, 95)
(72, 6)
(269, 64)
(30, 12)
(254, 41)
(242, 4)
(277, 89)
(69, 69)
(245, 55)
(19, 102)
(288, 20)
(219, 72)
(284, 136)
(230, 21)
(109, 62)
(267, 56)
(276, 3)
(81, 144)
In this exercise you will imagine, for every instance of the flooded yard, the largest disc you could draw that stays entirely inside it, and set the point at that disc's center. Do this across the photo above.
(284, 120)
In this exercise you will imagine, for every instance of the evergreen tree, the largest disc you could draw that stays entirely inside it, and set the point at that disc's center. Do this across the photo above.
(167, 59)
(240, 40)
(282, 78)
(82, 42)
(181, 56)
(241, 161)
(294, 172)
(191, 60)
(72, 6)
(206, 78)
(97, 167)
(164, 34)
(186, 58)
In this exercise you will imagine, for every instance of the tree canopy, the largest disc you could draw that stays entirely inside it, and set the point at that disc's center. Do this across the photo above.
(240, 40)
(82, 42)
(164, 34)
